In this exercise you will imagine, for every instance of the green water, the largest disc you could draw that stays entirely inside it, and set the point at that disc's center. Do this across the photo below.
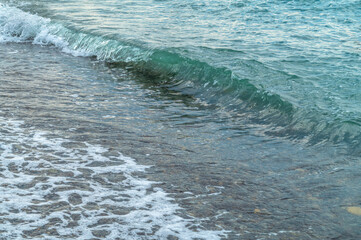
(247, 113)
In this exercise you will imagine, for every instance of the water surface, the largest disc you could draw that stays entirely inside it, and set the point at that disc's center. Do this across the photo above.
(178, 119)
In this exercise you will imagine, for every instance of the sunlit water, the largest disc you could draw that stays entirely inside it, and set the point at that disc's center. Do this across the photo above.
(189, 120)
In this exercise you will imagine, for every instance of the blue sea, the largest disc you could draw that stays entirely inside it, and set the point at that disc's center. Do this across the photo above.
(159, 119)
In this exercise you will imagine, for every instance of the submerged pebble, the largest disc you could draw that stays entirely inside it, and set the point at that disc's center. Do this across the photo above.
(354, 210)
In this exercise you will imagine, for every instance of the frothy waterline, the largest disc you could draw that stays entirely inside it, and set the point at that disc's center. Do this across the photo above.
(60, 189)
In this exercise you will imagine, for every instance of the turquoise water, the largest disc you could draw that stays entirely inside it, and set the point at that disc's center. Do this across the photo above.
(292, 64)
(250, 107)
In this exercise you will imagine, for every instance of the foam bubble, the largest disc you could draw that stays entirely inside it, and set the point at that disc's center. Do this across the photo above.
(19, 26)
(58, 189)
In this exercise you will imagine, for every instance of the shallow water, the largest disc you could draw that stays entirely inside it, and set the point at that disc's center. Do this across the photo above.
(64, 176)
(63, 137)
(94, 148)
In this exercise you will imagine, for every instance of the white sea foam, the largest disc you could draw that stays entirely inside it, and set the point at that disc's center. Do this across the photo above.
(41, 174)
(19, 26)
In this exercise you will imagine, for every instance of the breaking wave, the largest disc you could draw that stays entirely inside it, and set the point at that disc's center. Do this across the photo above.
(164, 67)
